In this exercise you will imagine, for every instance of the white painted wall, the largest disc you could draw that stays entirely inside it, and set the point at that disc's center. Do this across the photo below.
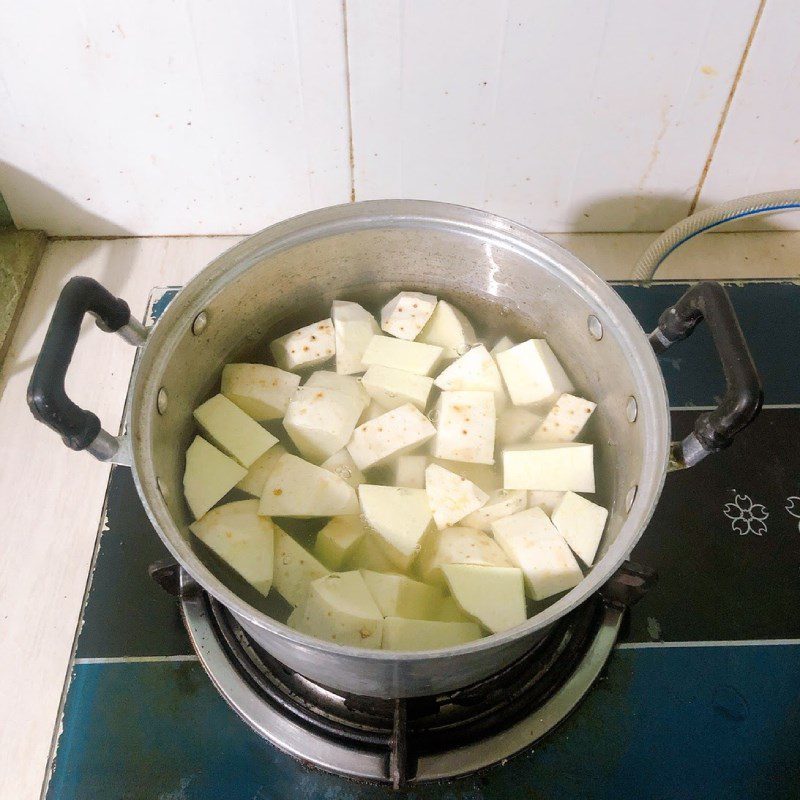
(202, 117)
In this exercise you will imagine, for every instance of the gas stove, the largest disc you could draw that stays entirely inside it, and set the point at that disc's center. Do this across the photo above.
(689, 689)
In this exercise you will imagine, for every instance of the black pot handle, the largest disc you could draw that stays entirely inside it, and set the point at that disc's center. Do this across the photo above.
(713, 430)
(47, 398)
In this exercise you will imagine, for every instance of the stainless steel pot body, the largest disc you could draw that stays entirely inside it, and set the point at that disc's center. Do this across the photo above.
(507, 278)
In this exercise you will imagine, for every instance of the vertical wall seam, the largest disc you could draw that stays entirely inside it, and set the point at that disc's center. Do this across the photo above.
(727, 107)
(348, 100)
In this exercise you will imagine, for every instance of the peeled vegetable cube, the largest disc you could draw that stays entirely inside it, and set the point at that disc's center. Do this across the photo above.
(475, 371)
(309, 346)
(501, 503)
(504, 344)
(260, 469)
(295, 568)
(259, 390)
(337, 541)
(340, 609)
(515, 424)
(296, 488)
(391, 434)
(565, 420)
(209, 475)
(421, 634)
(399, 354)
(400, 517)
(341, 463)
(465, 427)
(405, 315)
(341, 383)
(492, 596)
(353, 328)
(409, 471)
(581, 523)
(372, 411)
(450, 611)
(483, 475)
(369, 554)
(550, 467)
(391, 388)
(457, 546)
(547, 501)
(230, 429)
(399, 596)
(534, 545)
(451, 497)
(242, 539)
(532, 373)
(450, 329)
(321, 421)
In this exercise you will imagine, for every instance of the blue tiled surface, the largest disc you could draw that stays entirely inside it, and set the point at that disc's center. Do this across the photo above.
(697, 722)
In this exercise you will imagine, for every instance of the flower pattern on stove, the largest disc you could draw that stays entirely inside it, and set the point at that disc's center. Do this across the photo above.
(793, 508)
(746, 516)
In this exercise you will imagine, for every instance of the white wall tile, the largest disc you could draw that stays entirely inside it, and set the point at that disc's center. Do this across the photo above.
(160, 117)
(759, 146)
(587, 116)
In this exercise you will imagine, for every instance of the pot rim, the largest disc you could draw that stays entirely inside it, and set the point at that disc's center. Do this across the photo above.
(227, 267)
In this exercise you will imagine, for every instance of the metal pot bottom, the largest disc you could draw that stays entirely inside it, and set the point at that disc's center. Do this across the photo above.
(405, 741)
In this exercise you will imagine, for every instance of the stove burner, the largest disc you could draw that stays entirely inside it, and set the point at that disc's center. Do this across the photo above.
(416, 739)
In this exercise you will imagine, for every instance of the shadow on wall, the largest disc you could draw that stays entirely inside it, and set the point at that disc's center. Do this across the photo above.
(52, 274)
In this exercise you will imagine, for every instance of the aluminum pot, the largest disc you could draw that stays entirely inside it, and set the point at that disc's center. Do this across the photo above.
(506, 278)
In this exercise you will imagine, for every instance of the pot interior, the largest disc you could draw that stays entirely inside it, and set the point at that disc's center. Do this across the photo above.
(505, 278)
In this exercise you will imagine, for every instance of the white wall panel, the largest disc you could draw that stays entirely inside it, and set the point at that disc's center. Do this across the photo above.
(567, 116)
(160, 117)
(759, 146)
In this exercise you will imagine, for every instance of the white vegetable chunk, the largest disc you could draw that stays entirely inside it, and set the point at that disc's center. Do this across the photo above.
(208, 476)
(465, 424)
(341, 383)
(409, 471)
(400, 517)
(450, 611)
(369, 554)
(353, 328)
(340, 609)
(550, 467)
(493, 596)
(321, 421)
(296, 488)
(399, 354)
(401, 596)
(391, 388)
(501, 503)
(483, 475)
(337, 541)
(534, 545)
(515, 424)
(391, 434)
(565, 420)
(241, 538)
(581, 523)
(451, 497)
(372, 411)
(260, 469)
(309, 346)
(405, 315)
(295, 568)
(450, 329)
(475, 371)
(504, 344)
(532, 373)
(421, 634)
(547, 501)
(341, 463)
(232, 431)
(259, 390)
(457, 545)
